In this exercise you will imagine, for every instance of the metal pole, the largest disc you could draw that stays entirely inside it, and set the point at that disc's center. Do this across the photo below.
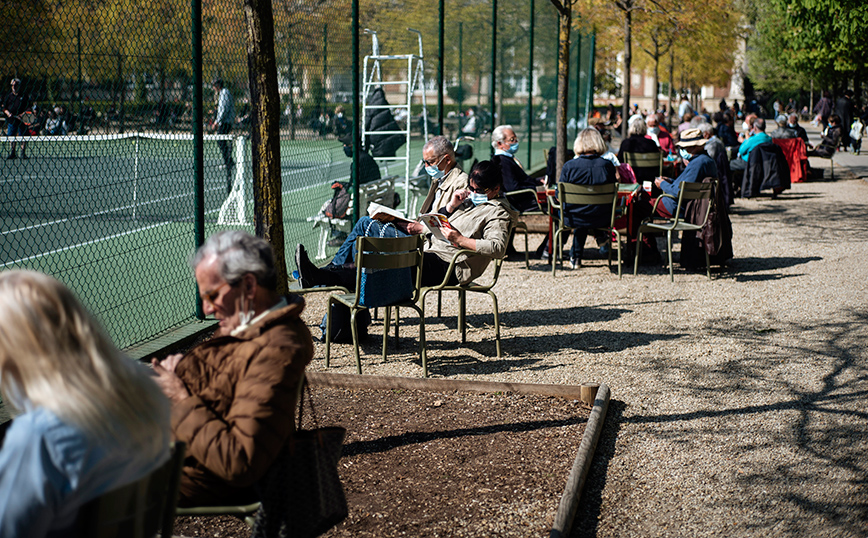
(198, 133)
(325, 59)
(80, 88)
(440, 54)
(493, 65)
(357, 145)
(460, 64)
(592, 54)
(578, 77)
(530, 88)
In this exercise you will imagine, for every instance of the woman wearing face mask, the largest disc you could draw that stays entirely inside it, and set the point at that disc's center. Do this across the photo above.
(481, 219)
(691, 148)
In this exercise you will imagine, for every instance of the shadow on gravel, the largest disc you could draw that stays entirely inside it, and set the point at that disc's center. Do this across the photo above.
(588, 514)
(390, 442)
(815, 418)
(750, 264)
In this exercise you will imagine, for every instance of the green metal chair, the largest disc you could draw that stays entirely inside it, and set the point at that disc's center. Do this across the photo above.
(646, 161)
(462, 290)
(570, 193)
(381, 253)
(687, 191)
(143, 509)
(521, 226)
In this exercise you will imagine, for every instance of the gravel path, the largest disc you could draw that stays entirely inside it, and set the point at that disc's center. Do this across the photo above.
(738, 404)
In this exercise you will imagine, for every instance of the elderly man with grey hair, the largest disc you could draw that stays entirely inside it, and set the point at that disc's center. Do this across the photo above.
(783, 130)
(233, 396)
(505, 144)
(438, 156)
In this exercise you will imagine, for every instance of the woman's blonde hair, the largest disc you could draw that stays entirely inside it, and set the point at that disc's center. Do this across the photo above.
(54, 355)
(589, 141)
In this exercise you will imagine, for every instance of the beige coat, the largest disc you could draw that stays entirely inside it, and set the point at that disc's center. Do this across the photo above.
(446, 186)
(489, 224)
(242, 403)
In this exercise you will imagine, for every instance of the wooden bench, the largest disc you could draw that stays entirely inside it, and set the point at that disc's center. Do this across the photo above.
(381, 191)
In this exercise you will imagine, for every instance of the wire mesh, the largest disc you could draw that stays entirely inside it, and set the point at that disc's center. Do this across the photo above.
(104, 198)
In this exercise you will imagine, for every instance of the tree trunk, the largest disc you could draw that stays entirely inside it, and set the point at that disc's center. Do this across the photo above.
(656, 101)
(625, 108)
(264, 131)
(565, 18)
(671, 84)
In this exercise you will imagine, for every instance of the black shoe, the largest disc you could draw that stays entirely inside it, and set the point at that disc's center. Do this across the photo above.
(24, 156)
(12, 156)
(306, 269)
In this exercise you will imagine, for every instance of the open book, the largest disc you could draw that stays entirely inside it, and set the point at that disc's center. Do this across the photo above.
(433, 221)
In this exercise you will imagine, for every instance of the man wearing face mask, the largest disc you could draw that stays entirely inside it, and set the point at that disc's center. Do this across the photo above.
(659, 134)
(505, 144)
(757, 136)
(481, 219)
(438, 156)
(691, 148)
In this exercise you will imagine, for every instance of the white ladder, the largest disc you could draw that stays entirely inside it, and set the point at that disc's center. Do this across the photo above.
(415, 82)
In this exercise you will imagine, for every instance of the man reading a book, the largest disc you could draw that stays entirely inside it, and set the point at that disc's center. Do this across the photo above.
(479, 218)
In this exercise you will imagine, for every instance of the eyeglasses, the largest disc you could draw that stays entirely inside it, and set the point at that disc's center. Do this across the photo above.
(477, 190)
(430, 163)
(211, 296)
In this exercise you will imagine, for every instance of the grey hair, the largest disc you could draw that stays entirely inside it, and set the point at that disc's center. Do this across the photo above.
(705, 128)
(652, 117)
(637, 127)
(589, 141)
(499, 134)
(760, 124)
(793, 118)
(440, 145)
(237, 254)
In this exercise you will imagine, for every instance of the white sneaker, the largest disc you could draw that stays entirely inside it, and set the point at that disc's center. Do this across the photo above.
(575, 264)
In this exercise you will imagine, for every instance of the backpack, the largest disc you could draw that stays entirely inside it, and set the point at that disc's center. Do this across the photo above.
(341, 332)
(337, 207)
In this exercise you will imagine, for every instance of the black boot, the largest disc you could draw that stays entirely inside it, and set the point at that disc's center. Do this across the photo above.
(12, 155)
(310, 276)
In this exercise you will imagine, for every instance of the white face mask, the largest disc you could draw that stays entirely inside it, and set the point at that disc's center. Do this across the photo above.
(745, 127)
(478, 198)
(654, 130)
(686, 155)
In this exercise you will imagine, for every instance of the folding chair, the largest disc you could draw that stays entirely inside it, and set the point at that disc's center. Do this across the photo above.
(572, 194)
(645, 163)
(462, 290)
(686, 191)
(138, 510)
(374, 253)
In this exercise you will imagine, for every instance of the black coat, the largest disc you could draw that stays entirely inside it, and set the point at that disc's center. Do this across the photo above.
(514, 179)
(767, 168)
(715, 237)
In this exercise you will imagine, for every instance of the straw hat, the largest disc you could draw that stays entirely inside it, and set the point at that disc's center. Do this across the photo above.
(691, 137)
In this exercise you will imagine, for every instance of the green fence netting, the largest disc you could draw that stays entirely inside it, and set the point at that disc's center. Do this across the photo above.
(101, 191)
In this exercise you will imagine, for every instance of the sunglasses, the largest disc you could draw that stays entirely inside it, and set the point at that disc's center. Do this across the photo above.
(477, 190)
(432, 163)
(211, 296)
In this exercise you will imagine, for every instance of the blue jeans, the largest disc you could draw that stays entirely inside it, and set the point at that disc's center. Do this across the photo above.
(14, 127)
(347, 252)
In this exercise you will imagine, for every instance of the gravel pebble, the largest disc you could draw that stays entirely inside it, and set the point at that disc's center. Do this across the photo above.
(738, 404)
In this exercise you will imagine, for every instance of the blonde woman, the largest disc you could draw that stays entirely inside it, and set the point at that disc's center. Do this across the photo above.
(88, 419)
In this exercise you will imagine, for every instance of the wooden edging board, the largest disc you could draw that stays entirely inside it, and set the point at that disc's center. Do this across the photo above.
(569, 502)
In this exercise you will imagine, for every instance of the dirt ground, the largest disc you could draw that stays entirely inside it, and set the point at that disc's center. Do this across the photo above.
(442, 464)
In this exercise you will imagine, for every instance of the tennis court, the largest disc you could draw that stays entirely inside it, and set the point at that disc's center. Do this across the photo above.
(112, 216)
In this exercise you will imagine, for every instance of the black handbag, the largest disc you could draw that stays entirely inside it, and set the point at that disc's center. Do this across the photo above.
(301, 494)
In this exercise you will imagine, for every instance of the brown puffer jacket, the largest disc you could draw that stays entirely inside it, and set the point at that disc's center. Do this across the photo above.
(242, 405)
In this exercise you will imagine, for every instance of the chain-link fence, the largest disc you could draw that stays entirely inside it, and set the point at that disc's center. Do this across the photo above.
(101, 190)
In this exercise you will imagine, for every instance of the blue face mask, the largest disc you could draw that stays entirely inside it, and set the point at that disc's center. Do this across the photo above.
(684, 154)
(478, 198)
(434, 172)
(513, 148)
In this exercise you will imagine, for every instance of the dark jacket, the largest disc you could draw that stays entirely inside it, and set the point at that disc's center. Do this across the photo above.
(767, 168)
(381, 119)
(715, 237)
(588, 170)
(698, 168)
(240, 412)
(514, 178)
(726, 133)
(640, 144)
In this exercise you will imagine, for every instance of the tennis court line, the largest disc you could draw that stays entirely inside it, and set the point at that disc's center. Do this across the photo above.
(112, 210)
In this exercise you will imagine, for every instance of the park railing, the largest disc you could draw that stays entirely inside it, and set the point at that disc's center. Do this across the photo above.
(103, 191)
